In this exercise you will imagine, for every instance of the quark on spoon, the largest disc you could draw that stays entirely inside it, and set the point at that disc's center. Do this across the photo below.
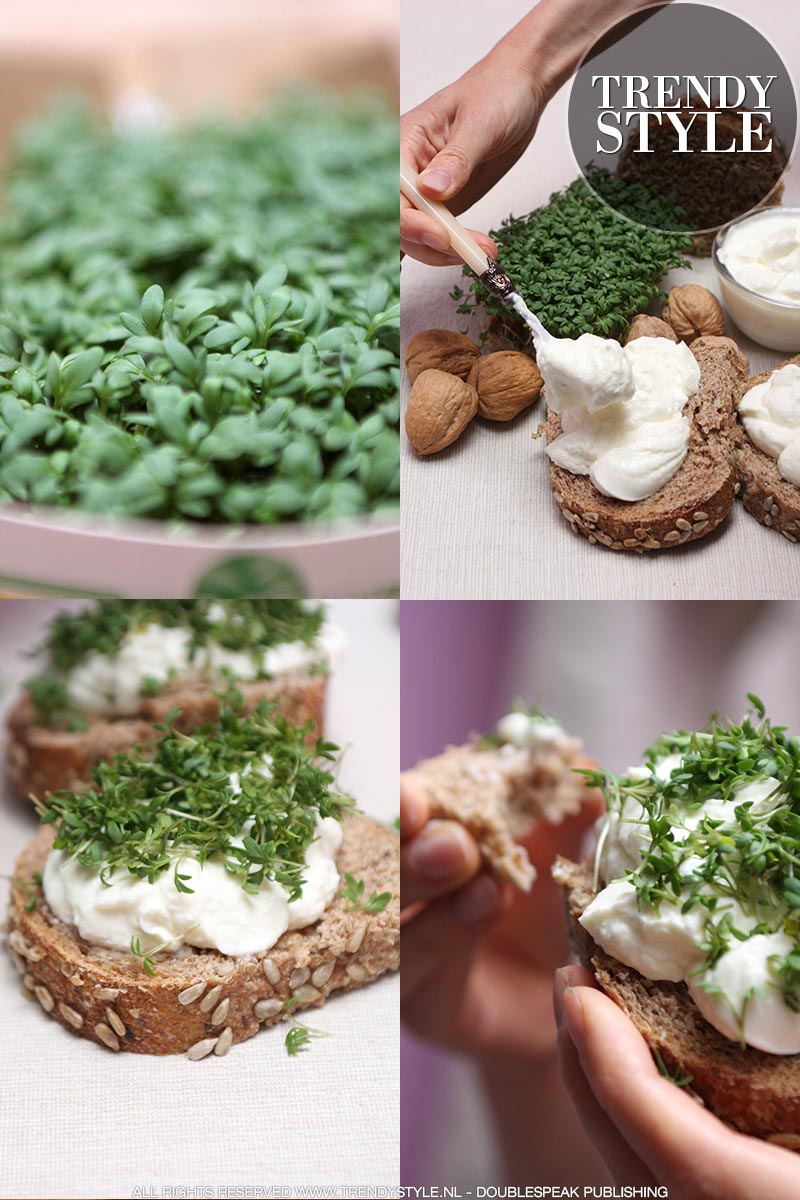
(621, 409)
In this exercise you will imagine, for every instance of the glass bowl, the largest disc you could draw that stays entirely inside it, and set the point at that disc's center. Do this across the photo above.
(772, 323)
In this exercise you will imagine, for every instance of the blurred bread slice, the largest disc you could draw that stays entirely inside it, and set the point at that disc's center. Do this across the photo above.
(499, 792)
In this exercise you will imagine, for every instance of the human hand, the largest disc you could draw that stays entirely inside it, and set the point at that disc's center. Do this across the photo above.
(478, 957)
(649, 1131)
(469, 134)
(463, 139)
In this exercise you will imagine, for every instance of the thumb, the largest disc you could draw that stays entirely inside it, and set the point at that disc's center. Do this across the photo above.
(450, 170)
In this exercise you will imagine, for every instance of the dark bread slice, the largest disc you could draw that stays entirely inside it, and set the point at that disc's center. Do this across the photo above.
(701, 492)
(106, 996)
(499, 803)
(42, 758)
(755, 1092)
(772, 500)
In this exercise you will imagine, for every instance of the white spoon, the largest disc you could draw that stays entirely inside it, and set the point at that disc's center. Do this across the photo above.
(467, 249)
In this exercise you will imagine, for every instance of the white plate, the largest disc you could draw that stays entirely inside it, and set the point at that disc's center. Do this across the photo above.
(72, 553)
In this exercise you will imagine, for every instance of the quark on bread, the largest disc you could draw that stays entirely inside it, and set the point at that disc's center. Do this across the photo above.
(202, 1001)
(42, 759)
(755, 1092)
(700, 494)
(773, 500)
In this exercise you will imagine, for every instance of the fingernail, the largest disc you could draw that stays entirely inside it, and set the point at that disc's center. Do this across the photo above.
(476, 902)
(436, 180)
(436, 241)
(560, 985)
(575, 1014)
(565, 977)
(412, 812)
(439, 852)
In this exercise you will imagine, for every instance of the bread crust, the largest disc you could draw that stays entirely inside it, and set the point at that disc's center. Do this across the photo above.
(699, 496)
(41, 758)
(771, 499)
(499, 801)
(107, 997)
(755, 1092)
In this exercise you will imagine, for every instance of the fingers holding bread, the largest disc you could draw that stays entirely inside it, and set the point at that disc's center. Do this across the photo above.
(624, 1164)
(681, 1144)
(441, 858)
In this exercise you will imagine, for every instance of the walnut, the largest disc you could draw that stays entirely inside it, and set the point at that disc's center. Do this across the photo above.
(440, 350)
(644, 325)
(739, 354)
(439, 409)
(693, 311)
(506, 382)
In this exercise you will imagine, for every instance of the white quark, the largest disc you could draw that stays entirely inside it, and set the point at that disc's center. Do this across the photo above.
(587, 372)
(763, 253)
(665, 943)
(113, 684)
(770, 412)
(621, 410)
(527, 731)
(218, 915)
(658, 944)
(749, 1006)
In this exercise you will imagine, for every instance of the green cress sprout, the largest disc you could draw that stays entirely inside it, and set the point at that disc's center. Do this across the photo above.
(753, 859)
(299, 1036)
(203, 323)
(581, 267)
(248, 626)
(354, 894)
(144, 815)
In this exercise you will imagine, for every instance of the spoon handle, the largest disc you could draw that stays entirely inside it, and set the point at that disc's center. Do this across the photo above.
(463, 244)
(493, 278)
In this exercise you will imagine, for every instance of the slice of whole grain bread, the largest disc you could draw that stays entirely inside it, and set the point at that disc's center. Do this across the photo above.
(42, 758)
(199, 1000)
(772, 500)
(499, 793)
(701, 492)
(755, 1092)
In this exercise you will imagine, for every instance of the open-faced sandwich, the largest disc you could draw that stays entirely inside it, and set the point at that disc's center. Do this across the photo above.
(219, 884)
(112, 671)
(499, 785)
(641, 438)
(689, 915)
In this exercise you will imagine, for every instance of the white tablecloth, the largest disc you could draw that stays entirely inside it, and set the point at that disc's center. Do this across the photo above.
(479, 519)
(78, 1121)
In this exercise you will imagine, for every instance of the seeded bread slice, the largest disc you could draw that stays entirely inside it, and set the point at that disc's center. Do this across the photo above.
(499, 794)
(700, 494)
(200, 1001)
(42, 759)
(771, 499)
(756, 1093)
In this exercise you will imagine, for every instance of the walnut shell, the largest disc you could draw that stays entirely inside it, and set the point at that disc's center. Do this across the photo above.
(739, 355)
(506, 382)
(693, 311)
(643, 325)
(439, 409)
(440, 350)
